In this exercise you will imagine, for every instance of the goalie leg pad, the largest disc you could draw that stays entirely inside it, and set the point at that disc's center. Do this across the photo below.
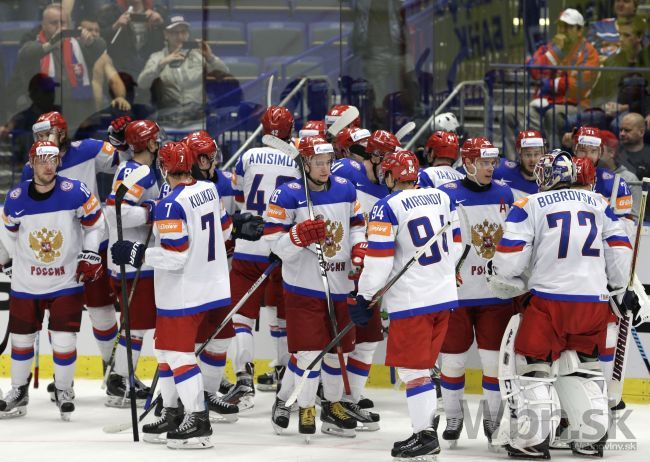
(526, 384)
(583, 394)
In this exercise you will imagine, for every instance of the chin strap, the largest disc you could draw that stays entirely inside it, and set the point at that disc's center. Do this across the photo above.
(472, 176)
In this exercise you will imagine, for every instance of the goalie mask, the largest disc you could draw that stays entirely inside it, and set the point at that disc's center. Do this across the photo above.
(555, 169)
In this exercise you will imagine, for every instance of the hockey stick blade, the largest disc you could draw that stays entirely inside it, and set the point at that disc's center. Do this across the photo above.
(405, 130)
(269, 91)
(130, 180)
(277, 143)
(346, 119)
(117, 428)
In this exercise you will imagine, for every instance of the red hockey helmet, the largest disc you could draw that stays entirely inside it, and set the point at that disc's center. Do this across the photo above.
(312, 128)
(336, 111)
(310, 146)
(530, 139)
(588, 136)
(585, 171)
(277, 121)
(202, 144)
(175, 157)
(402, 165)
(609, 139)
(351, 135)
(47, 121)
(382, 142)
(479, 148)
(43, 150)
(139, 132)
(442, 144)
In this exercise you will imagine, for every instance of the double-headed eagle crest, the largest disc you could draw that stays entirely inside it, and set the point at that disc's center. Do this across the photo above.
(46, 244)
(485, 237)
(333, 237)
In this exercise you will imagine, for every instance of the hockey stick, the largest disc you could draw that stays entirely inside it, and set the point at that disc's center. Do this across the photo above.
(343, 121)
(37, 349)
(405, 130)
(117, 428)
(269, 91)
(616, 384)
(380, 293)
(463, 221)
(291, 151)
(128, 182)
(639, 346)
(111, 361)
(5, 341)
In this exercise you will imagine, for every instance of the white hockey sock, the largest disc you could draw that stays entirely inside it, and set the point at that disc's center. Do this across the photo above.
(298, 363)
(491, 391)
(188, 379)
(288, 383)
(64, 352)
(166, 381)
(104, 329)
(212, 361)
(452, 383)
(332, 379)
(420, 397)
(22, 355)
(243, 341)
(358, 367)
(121, 367)
(282, 348)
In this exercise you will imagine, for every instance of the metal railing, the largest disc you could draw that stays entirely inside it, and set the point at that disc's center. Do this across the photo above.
(487, 106)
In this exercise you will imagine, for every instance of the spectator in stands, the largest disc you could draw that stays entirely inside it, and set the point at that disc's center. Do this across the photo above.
(66, 59)
(41, 93)
(610, 159)
(179, 69)
(619, 92)
(560, 92)
(633, 152)
(133, 36)
(605, 35)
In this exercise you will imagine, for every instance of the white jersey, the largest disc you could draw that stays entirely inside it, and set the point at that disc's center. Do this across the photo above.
(189, 259)
(345, 227)
(399, 225)
(260, 171)
(434, 177)
(571, 243)
(486, 212)
(48, 235)
(134, 216)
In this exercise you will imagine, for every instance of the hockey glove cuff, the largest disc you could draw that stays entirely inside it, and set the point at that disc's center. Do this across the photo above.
(358, 308)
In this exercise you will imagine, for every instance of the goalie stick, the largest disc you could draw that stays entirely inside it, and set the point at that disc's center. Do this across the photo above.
(343, 121)
(375, 299)
(405, 130)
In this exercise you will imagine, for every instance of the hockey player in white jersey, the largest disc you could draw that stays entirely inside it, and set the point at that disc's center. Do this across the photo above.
(530, 147)
(291, 234)
(191, 280)
(564, 246)
(442, 152)
(56, 226)
(83, 160)
(137, 216)
(480, 315)
(399, 225)
(259, 172)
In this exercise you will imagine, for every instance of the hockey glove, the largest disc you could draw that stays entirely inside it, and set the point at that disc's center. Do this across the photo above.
(503, 287)
(358, 255)
(6, 269)
(89, 268)
(273, 258)
(128, 253)
(150, 205)
(307, 232)
(247, 226)
(358, 309)
(116, 133)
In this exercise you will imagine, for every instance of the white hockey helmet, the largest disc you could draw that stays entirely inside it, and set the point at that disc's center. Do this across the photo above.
(446, 121)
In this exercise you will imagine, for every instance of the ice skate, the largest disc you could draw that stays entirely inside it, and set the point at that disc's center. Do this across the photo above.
(589, 449)
(64, 401)
(307, 422)
(539, 451)
(242, 394)
(225, 386)
(156, 432)
(280, 415)
(51, 390)
(422, 446)
(193, 433)
(219, 410)
(14, 404)
(336, 421)
(490, 427)
(365, 403)
(117, 394)
(366, 421)
(452, 431)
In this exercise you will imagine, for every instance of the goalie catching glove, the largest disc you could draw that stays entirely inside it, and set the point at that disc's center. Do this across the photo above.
(634, 301)
(502, 287)
(247, 226)
(89, 268)
(128, 253)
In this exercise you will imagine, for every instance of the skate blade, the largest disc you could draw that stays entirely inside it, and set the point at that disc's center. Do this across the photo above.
(307, 437)
(215, 417)
(493, 448)
(277, 428)
(367, 426)
(273, 387)
(452, 443)
(18, 411)
(201, 442)
(65, 416)
(330, 429)
(153, 438)
(424, 458)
